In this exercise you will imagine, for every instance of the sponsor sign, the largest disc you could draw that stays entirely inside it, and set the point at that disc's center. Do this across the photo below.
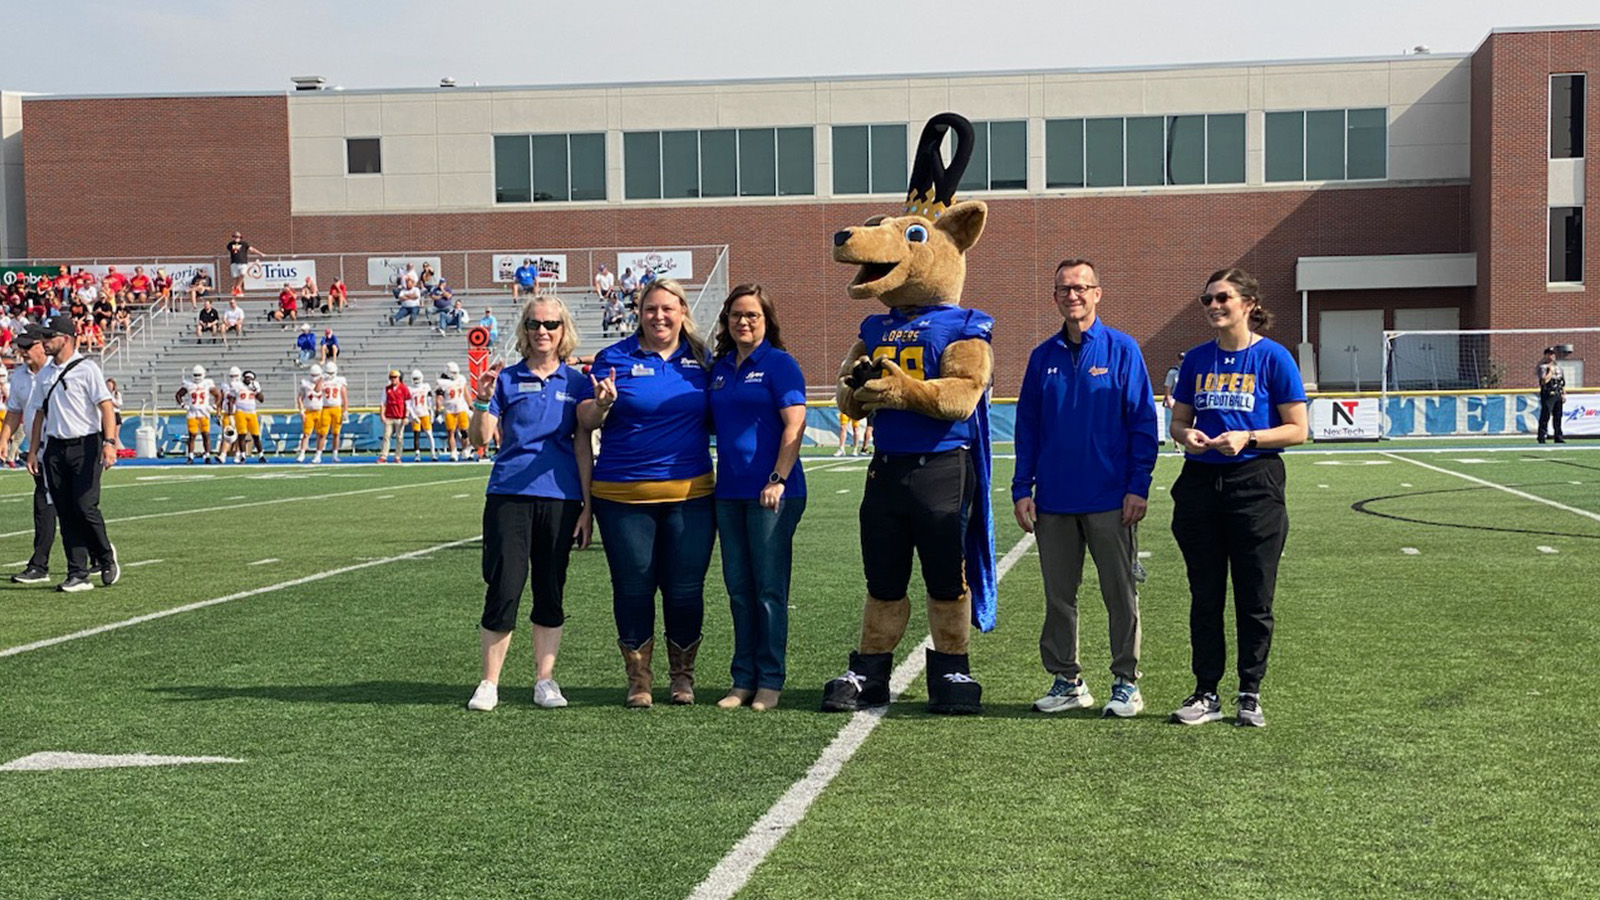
(385, 271)
(271, 274)
(183, 273)
(677, 264)
(1580, 414)
(552, 266)
(1345, 419)
(26, 275)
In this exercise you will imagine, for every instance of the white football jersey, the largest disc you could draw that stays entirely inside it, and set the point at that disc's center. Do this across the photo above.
(197, 397)
(455, 394)
(334, 390)
(311, 394)
(246, 397)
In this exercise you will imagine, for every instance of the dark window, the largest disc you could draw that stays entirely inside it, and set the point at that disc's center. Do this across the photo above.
(976, 177)
(641, 161)
(1566, 244)
(1367, 144)
(1186, 149)
(1008, 156)
(1325, 145)
(1146, 153)
(852, 152)
(549, 167)
(1566, 116)
(680, 164)
(1286, 146)
(1063, 153)
(363, 156)
(889, 172)
(797, 161)
(513, 173)
(758, 162)
(1225, 149)
(588, 167)
(719, 163)
(1103, 143)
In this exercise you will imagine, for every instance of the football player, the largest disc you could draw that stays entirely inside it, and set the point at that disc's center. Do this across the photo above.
(199, 398)
(246, 400)
(419, 412)
(308, 399)
(335, 404)
(457, 412)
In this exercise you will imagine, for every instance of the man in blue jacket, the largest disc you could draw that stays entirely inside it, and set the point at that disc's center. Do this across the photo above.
(1086, 446)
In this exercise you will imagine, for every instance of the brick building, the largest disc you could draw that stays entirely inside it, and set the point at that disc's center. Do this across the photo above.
(1428, 190)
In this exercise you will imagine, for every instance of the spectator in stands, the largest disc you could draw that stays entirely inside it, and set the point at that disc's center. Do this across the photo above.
(114, 282)
(338, 295)
(116, 399)
(139, 286)
(454, 318)
(103, 311)
(288, 306)
(490, 322)
(232, 318)
(161, 286)
(310, 297)
(410, 300)
(91, 336)
(239, 251)
(396, 397)
(628, 287)
(613, 316)
(653, 486)
(535, 507)
(605, 283)
(208, 321)
(329, 349)
(646, 278)
(85, 294)
(760, 414)
(427, 276)
(525, 280)
(305, 343)
(441, 306)
(199, 287)
(123, 322)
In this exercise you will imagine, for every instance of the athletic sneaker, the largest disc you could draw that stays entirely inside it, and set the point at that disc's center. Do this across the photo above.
(1250, 715)
(336, 457)
(1200, 708)
(417, 458)
(485, 698)
(301, 458)
(110, 571)
(31, 575)
(226, 460)
(1065, 693)
(74, 584)
(1126, 701)
(316, 460)
(838, 453)
(548, 694)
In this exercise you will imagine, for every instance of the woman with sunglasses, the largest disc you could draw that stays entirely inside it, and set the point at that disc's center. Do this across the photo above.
(1237, 403)
(758, 405)
(537, 500)
(653, 486)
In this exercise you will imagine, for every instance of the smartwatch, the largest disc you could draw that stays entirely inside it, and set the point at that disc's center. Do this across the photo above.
(1251, 444)
(775, 478)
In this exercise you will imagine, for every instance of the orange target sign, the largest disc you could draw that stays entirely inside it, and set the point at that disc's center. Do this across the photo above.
(478, 336)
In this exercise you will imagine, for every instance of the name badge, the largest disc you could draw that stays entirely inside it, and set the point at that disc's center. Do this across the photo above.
(640, 369)
(530, 387)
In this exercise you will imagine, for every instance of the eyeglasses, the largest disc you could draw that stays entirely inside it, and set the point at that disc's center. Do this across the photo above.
(1067, 290)
(1219, 298)
(546, 324)
(744, 316)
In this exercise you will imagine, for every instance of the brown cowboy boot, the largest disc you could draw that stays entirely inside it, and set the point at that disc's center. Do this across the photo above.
(680, 666)
(638, 666)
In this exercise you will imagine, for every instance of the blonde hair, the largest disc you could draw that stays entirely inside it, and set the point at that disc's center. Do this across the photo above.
(569, 328)
(691, 334)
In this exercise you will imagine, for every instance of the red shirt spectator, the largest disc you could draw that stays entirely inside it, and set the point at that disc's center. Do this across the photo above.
(163, 284)
(114, 281)
(288, 300)
(139, 283)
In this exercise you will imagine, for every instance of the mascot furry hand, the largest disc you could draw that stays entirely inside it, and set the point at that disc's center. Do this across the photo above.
(921, 371)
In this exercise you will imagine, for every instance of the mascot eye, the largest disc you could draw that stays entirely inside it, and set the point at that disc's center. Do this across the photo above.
(916, 234)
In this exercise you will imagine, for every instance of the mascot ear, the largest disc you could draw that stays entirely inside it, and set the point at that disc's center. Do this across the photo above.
(874, 220)
(963, 222)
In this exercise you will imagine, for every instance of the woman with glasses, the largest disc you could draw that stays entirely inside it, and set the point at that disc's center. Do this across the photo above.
(758, 405)
(537, 501)
(1237, 403)
(653, 486)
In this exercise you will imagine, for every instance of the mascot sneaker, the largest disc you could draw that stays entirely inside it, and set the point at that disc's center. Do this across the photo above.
(864, 685)
(951, 688)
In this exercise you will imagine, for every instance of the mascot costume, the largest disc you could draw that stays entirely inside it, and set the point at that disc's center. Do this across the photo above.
(922, 372)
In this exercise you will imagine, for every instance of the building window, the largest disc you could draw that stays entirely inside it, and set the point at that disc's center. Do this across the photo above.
(723, 162)
(869, 159)
(1328, 145)
(1566, 116)
(1144, 151)
(363, 156)
(545, 168)
(1566, 245)
(999, 157)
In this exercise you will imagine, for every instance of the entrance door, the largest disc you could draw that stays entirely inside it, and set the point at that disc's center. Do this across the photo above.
(1427, 361)
(1350, 352)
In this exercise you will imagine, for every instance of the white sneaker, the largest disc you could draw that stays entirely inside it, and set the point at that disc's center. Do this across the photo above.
(316, 460)
(1126, 701)
(301, 458)
(1065, 694)
(226, 460)
(336, 457)
(838, 453)
(455, 456)
(548, 694)
(486, 697)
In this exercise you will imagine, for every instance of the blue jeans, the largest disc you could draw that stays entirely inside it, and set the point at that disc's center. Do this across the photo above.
(409, 313)
(757, 549)
(651, 546)
(306, 354)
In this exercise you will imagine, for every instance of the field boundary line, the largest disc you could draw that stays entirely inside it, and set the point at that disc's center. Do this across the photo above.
(273, 502)
(1500, 487)
(190, 607)
(733, 871)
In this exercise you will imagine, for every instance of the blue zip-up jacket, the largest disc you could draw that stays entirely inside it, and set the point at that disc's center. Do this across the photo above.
(1086, 433)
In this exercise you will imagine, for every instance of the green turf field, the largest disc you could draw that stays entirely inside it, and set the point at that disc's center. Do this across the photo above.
(1432, 705)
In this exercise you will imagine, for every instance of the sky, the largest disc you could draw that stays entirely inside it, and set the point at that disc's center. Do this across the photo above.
(160, 46)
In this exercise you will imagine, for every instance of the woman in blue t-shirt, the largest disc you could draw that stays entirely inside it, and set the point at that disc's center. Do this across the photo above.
(537, 499)
(653, 485)
(1237, 403)
(758, 402)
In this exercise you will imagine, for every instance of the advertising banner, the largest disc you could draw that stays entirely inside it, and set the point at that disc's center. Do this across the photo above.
(10, 275)
(677, 264)
(385, 271)
(272, 274)
(1345, 419)
(552, 266)
(1581, 414)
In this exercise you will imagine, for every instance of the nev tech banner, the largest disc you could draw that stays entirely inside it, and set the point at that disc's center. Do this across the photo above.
(1345, 419)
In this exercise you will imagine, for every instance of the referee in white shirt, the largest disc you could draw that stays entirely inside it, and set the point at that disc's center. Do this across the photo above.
(19, 421)
(75, 418)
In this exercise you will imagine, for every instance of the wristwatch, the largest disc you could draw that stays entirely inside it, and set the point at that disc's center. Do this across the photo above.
(775, 478)
(1251, 444)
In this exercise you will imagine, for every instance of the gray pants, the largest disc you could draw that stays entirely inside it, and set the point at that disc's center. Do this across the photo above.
(1062, 539)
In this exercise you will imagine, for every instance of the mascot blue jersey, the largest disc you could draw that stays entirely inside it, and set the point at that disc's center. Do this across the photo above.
(916, 339)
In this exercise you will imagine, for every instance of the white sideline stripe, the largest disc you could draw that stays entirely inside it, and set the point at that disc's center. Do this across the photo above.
(273, 502)
(142, 562)
(734, 870)
(262, 562)
(1543, 549)
(1500, 487)
(54, 760)
(190, 607)
(1410, 551)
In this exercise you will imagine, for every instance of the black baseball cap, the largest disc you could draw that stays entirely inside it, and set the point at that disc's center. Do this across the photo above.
(31, 335)
(61, 324)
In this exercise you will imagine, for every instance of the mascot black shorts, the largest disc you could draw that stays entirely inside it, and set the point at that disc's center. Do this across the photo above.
(916, 503)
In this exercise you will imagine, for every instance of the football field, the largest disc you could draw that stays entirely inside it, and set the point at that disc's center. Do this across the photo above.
(1433, 701)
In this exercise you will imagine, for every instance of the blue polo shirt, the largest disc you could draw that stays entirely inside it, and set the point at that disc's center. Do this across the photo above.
(1237, 390)
(916, 340)
(538, 418)
(745, 405)
(658, 430)
(527, 275)
(1086, 424)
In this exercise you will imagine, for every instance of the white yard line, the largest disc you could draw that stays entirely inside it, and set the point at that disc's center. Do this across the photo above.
(735, 869)
(190, 607)
(274, 502)
(262, 562)
(1500, 487)
(142, 562)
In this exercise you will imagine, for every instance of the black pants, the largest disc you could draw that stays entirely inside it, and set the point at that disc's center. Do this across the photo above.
(917, 503)
(1550, 414)
(72, 472)
(1230, 518)
(44, 526)
(523, 536)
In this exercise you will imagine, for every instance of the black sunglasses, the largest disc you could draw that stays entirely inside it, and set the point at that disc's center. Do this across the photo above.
(1218, 298)
(546, 324)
